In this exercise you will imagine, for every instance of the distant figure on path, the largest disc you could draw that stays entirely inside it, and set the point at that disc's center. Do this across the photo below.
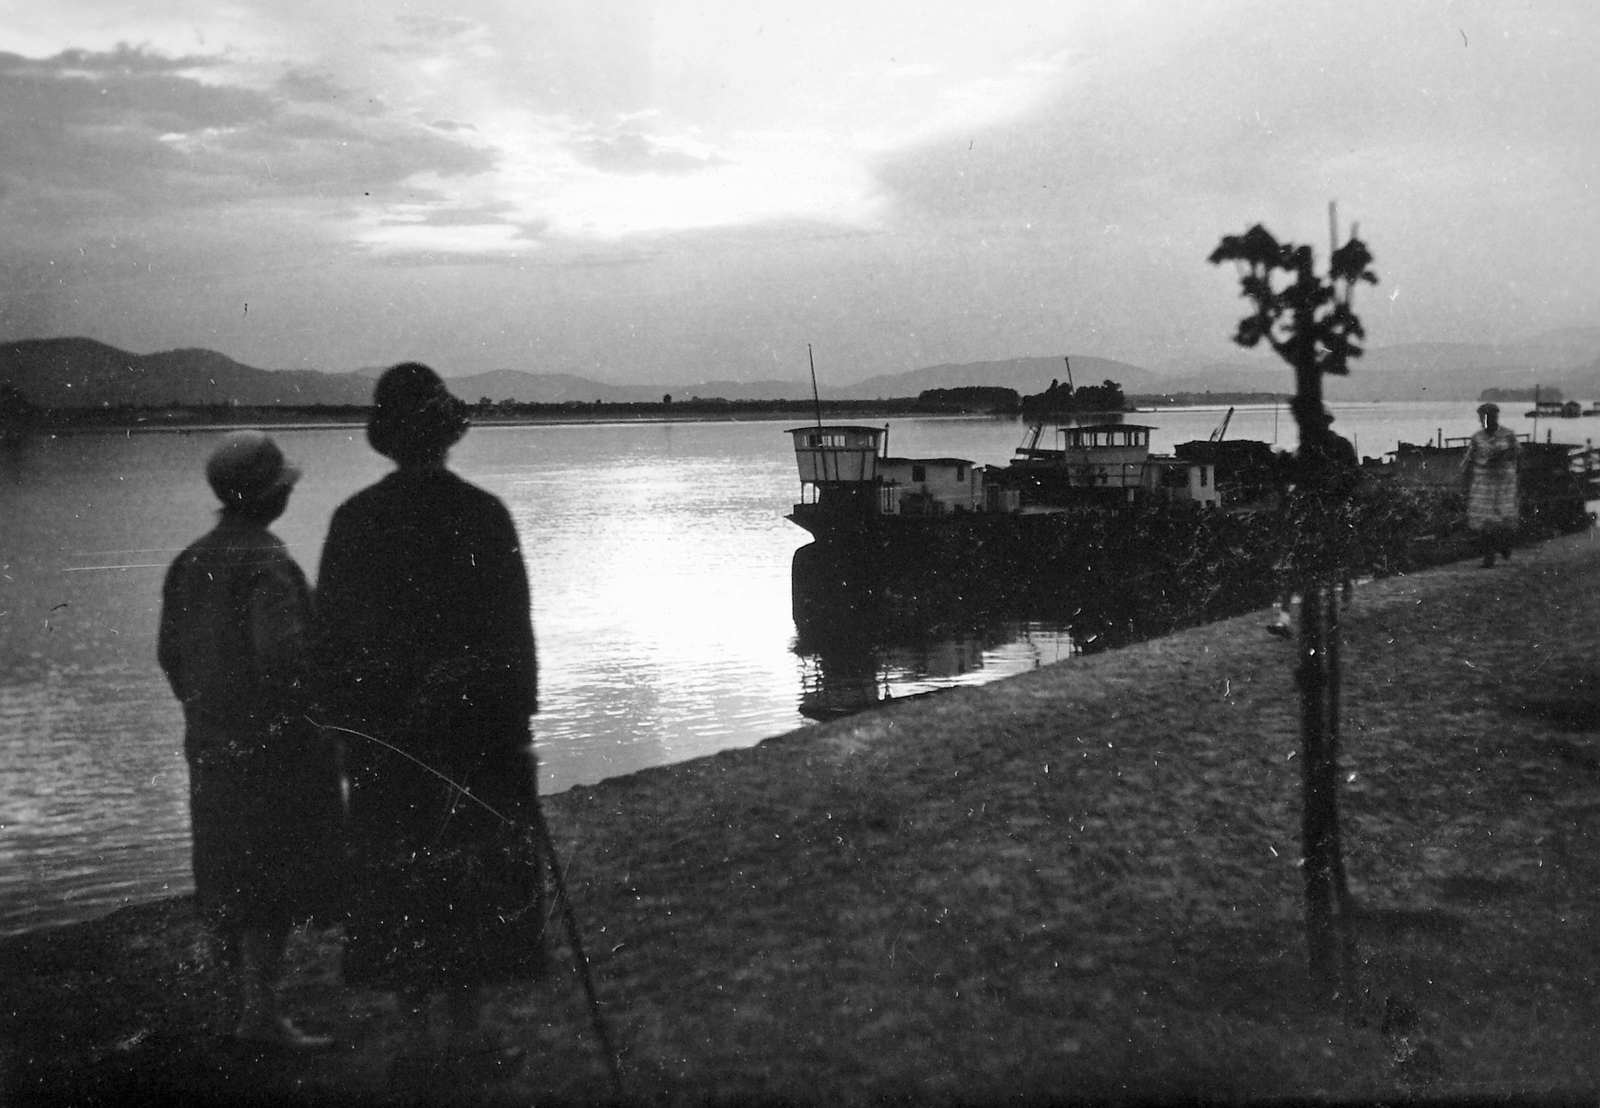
(426, 648)
(1489, 474)
(263, 788)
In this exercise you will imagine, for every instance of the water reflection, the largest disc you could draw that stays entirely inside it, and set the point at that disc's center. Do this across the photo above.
(842, 678)
(862, 642)
(865, 635)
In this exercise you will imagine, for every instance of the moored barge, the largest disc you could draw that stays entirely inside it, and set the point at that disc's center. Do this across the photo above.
(1097, 463)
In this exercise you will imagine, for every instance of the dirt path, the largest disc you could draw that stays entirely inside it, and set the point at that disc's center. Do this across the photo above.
(1080, 883)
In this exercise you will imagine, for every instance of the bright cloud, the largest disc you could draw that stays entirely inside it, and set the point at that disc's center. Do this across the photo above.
(667, 161)
(483, 114)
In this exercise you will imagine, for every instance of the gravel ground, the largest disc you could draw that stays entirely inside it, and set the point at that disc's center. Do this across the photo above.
(1079, 884)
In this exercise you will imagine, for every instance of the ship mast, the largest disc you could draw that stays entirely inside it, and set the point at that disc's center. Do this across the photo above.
(816, 397)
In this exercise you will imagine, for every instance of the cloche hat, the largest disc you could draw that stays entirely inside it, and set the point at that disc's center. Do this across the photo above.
(247, 467)
(413, 414)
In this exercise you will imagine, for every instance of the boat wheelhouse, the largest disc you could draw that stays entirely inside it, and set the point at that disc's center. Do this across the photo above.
(844, 479)
(837, 454)
(838, 473)
(1105, 461)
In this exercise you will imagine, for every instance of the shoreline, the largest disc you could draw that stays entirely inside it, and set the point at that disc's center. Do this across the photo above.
(191, 419)
(94, 422)
(1077, 883)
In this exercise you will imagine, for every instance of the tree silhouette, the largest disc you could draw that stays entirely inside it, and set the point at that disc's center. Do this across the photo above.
(1308, 322)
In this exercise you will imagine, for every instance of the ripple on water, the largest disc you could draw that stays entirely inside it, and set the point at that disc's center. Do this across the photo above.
(93, 794)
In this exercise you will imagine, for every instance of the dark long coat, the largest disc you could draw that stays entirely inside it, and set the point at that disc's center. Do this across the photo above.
(263, 786)
(426, 654)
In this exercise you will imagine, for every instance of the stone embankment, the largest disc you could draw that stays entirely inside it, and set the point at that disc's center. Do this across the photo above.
(1077, 884)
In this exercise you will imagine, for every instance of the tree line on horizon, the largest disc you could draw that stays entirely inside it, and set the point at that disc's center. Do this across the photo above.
(17, 412)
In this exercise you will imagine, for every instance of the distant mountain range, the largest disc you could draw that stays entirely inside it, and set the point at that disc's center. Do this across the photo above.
(78, 372)
(83, 373)
(1568, 360)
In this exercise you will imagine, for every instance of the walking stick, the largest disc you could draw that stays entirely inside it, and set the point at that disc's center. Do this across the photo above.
(579, 958)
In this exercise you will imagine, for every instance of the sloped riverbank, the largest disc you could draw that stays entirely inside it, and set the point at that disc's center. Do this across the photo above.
(1077, 884)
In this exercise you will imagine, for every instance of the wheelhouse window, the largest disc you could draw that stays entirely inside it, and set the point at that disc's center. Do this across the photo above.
(919, 473)
(822, 439)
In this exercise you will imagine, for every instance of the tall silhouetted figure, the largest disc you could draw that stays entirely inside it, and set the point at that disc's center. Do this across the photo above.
(263, 787)
(427, 660)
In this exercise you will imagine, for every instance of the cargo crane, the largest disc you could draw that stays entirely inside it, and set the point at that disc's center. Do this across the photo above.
(1222, 428)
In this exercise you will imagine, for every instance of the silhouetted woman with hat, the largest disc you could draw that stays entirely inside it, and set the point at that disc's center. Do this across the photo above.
(427, 655)
(263, 787)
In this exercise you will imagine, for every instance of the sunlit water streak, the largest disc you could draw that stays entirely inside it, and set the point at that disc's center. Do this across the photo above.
(660, 565)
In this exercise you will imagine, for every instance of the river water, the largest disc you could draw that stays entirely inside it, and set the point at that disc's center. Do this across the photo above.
(659, 559)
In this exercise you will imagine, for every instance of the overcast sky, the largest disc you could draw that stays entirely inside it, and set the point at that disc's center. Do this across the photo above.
(683, 191)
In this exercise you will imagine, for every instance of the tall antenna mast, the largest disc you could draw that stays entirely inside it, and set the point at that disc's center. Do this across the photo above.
(816, 397)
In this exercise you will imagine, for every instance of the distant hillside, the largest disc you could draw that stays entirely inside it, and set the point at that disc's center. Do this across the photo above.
(82, 373)
(1025, 375)
(78, 372)
(1568, 359)
(1461, 371)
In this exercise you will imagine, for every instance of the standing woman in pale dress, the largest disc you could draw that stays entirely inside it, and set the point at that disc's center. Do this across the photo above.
(427, 660)
(1489, 472)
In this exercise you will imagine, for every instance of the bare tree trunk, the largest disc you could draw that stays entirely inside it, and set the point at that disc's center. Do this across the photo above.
(1341, 883)
(1317, 812)
(1328, 934)
(1327, 893)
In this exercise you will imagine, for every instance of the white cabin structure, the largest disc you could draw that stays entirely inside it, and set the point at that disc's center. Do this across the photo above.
(930, 486)
(1182, 481)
